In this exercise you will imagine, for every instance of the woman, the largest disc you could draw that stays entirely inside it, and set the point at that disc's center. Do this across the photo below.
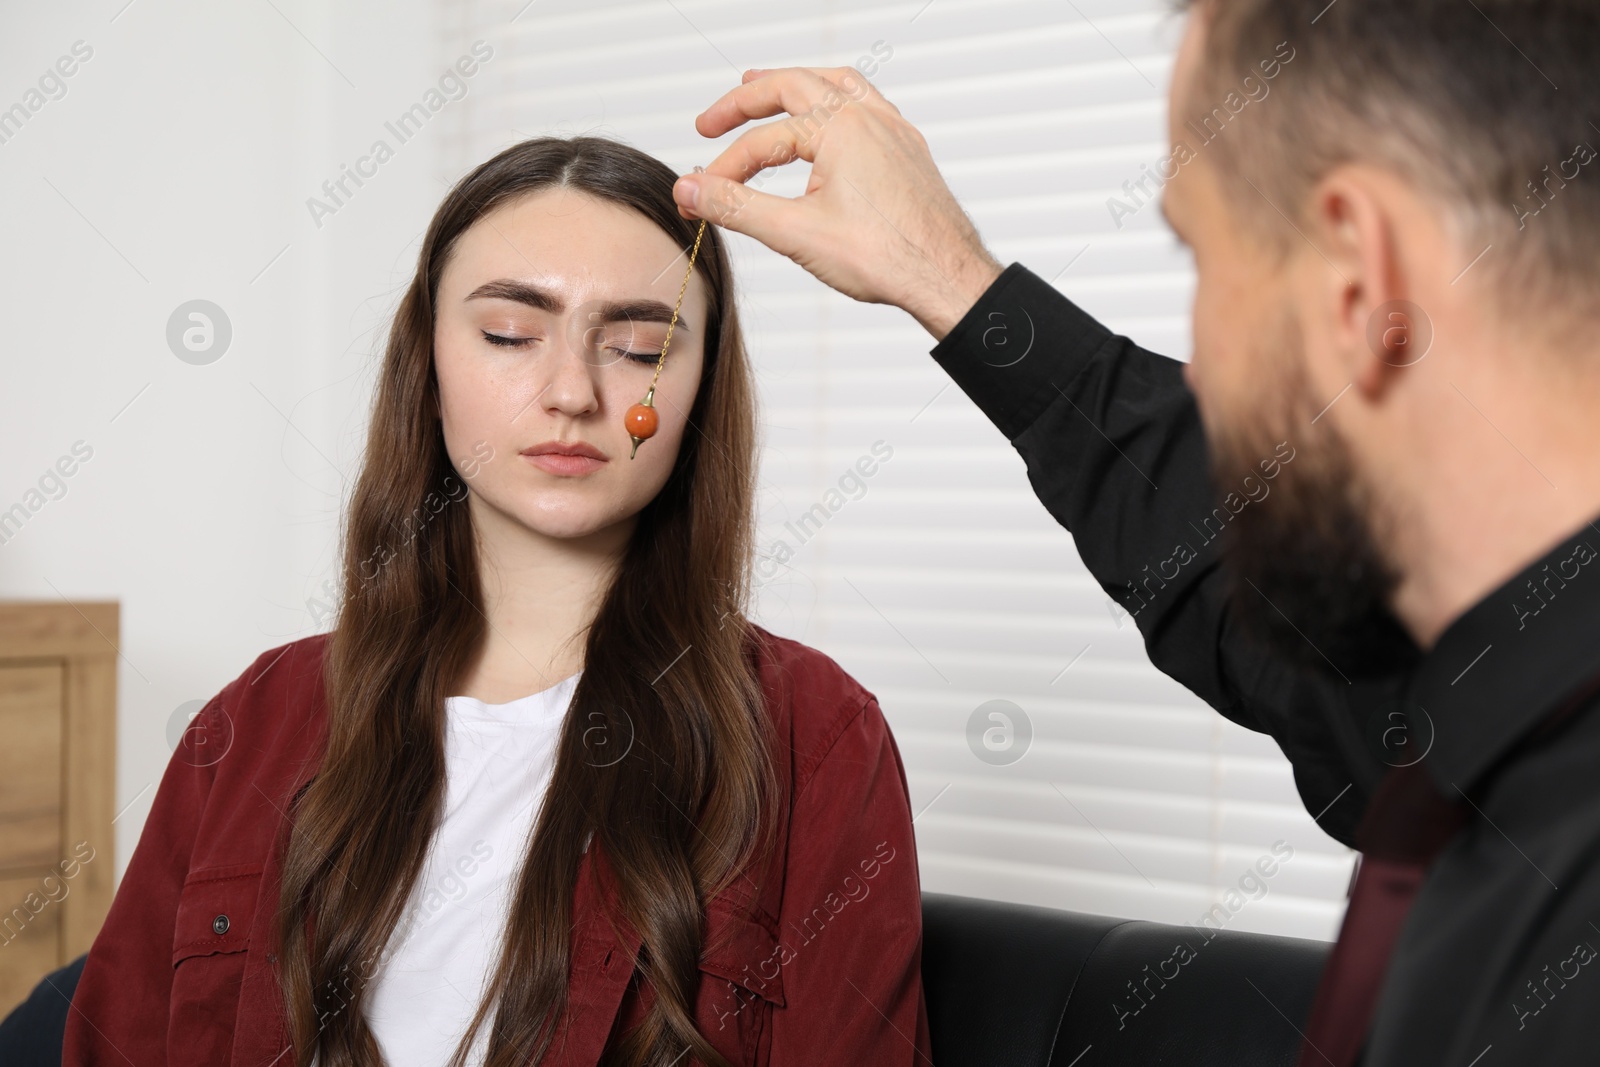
(544, 795)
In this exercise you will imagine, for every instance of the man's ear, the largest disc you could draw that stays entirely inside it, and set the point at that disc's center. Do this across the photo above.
(1356, 224)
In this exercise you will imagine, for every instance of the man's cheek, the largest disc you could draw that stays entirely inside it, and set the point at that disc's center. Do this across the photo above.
(1225, 370)
(1202, 373)
(1206, 337)
(1215, 385)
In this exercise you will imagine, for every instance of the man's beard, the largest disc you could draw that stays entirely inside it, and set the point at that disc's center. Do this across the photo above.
(1307, 577)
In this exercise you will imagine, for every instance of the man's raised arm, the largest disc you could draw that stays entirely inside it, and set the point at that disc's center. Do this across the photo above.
(1114, 449)
(1109, 431)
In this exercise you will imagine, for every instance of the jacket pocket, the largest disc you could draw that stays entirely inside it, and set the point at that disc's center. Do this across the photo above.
(210, 939)
(216, 909)
(741, 967)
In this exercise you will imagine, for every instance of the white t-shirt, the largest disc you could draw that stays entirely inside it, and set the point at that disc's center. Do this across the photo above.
(498, 762)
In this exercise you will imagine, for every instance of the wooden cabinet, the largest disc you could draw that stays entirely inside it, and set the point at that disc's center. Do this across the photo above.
(58, 747)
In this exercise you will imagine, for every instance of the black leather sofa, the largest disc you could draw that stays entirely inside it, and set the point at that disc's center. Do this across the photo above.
(1021, 986)
(1015, 986)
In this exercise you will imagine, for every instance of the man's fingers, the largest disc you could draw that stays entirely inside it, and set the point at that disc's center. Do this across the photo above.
(856, 85)
(775, 221)
(861, 149)
(796, 90)
(791, 89)
(760, 147)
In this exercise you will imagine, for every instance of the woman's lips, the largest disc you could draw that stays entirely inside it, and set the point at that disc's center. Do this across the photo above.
(557, 463)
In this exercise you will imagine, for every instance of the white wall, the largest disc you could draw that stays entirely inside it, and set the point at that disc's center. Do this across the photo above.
(177, 166)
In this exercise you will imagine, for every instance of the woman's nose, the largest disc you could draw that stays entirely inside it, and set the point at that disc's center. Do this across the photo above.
(570, 376)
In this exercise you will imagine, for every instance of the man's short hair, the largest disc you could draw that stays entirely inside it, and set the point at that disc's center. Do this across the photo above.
(1490, 107)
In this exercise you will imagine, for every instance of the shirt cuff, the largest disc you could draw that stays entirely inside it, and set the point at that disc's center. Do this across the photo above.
(1020, 344)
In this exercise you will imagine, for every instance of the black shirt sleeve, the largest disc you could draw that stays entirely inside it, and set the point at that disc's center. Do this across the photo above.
(1115, 451)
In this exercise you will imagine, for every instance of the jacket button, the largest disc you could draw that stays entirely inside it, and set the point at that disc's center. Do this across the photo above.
(219, 925)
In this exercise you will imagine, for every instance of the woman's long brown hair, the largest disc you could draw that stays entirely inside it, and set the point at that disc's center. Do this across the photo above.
(685, 812)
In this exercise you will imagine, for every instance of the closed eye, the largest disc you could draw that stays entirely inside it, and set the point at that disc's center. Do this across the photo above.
(508, 342)
(638, 357)
(523, 342)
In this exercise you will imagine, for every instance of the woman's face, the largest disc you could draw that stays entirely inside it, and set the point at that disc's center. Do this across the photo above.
(551, 313)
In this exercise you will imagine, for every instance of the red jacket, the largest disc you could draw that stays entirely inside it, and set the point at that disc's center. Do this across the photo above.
(827, 973)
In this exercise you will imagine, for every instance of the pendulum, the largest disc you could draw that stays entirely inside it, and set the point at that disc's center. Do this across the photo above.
(642, 419)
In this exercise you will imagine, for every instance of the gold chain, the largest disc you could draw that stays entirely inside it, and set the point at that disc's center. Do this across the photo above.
(681, 290)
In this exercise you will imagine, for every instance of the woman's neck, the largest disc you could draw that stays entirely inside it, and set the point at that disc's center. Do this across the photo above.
(540, 594)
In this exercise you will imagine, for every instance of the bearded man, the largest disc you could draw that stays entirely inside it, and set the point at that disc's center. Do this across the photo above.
(1363, 516)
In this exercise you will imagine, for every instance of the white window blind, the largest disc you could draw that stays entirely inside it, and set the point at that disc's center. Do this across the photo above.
(938, 579)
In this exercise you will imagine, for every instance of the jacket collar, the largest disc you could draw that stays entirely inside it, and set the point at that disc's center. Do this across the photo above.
(1514, 658)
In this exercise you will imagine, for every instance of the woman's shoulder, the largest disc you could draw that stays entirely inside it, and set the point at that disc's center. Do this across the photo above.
(288, 671)
(239, 762)
(805, 679)
(813, 700)
(270, 712)
(274, 711)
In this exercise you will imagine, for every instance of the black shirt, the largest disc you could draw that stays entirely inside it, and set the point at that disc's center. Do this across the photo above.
(1497, 962)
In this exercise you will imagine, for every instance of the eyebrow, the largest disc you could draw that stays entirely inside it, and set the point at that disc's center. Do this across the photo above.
(639, 309)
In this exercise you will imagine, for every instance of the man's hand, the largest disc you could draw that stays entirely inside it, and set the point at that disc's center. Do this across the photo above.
(877, 221)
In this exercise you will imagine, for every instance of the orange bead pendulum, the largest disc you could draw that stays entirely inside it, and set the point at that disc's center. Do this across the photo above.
(642, 419)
